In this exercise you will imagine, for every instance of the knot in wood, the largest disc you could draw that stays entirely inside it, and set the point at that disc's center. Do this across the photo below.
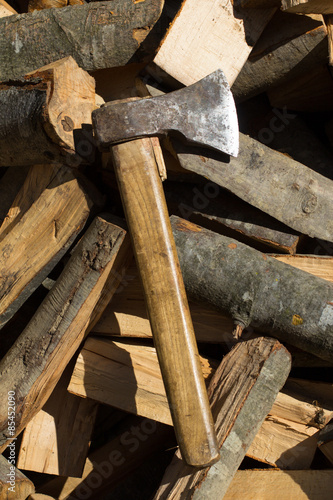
(309, 202)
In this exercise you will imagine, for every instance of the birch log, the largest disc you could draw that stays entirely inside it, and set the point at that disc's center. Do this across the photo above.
(255, 289)
(38, 358)
(97, 35)
(241, 393)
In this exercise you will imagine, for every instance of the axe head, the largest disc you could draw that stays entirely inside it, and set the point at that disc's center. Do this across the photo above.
(203, 113)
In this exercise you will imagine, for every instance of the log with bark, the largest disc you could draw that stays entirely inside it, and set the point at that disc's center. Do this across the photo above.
(283, 188)
(44, 116)
(13, 483)
(290, 46)
(97, 35)
(255, 289)
(34, 364)
(241, 392)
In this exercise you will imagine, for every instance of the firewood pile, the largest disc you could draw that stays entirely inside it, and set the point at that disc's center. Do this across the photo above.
(166, 249)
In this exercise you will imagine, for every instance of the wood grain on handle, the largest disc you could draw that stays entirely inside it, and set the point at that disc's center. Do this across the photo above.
(155, 252)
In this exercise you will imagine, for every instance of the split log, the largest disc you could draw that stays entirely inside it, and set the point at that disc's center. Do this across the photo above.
(226, 214)
(33, 246)
(283, 188)
(284, 485)
(325, 441)
(135, 439)
(38, 358)
(287, 407)
(307, 6)
(241, 393)
(310, 92)
(126, 315)
(56, 441)
(230, 34)
(260, 4)
(139, 391)
(6, 9)
(10, 183)
(43, 114)
(255, 289)
(318, 266)
(13, 483)
(284, 444)
(318, 393)
(290, 46)
(39, 496)
(328, 20)
(51, 4)
(97, 35)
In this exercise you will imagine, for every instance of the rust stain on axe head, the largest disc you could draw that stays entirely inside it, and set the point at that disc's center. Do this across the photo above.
(203, 113)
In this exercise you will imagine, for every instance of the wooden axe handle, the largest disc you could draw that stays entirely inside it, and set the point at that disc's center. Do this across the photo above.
(155, 251)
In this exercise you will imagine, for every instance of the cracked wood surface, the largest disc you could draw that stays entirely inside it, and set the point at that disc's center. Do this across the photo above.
(38, 358)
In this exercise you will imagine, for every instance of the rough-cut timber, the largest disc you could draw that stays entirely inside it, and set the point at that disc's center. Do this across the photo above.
(255, 289)
(38, 358)
(307, 6)
(135, 439)
(140, 389)
(13, 483)
(31, 248)
(43, 114)
(97, 35)
(205, 37)
(241, 393)
(56, 441)
(284, 485)
(290, 46)
(283, 188)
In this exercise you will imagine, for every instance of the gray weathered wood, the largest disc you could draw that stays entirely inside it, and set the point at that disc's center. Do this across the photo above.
(97, 35)
(290, 46)
(242, 392)
(283, 188)
(257, 290)
(36, 361)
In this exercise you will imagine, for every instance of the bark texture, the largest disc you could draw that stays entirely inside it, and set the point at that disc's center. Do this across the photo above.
(241, 393)
(283, 188)
(255, 289)
(97, 35)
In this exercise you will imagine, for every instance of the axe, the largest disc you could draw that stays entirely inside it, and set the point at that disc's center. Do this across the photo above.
(204, 114)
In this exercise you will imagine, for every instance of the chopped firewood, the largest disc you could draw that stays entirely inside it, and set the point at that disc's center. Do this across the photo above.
(296, 410)
(106, 34)
(260, 4)
(13, 483)
(39, 496)
(135, 439)
(51, 4)
(295, 195)
(284, 444)
(54, 103)
(140, 390)
(319, 394)
(284, 485)
(256, 289)
(48, 225)
(226, 214)
(10, 184)
(310, 92)
(230, 33)
(290, 46)
(313, 264)
(241, 394)
(307, 6)
(38, 358)
(6, 9)
(56, 440)
(328, 20)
